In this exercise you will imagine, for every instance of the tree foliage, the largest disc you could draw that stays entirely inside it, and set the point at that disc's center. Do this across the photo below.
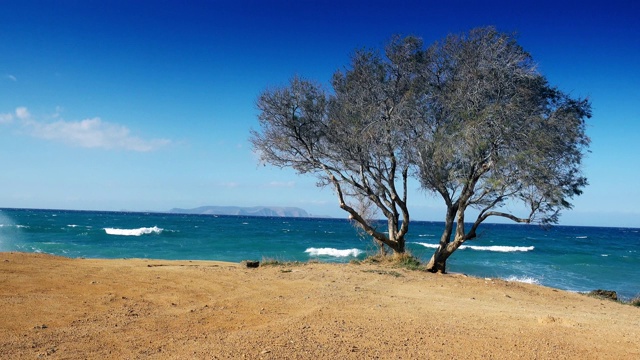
(353, 140)
(496, 133)
(470, 117)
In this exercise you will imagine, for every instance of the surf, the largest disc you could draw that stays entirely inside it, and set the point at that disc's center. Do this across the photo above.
(333, 252)
(133, 232)
(494, 248)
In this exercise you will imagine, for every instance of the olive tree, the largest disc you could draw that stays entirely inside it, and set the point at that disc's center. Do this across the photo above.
(353, 139)
(495, 134)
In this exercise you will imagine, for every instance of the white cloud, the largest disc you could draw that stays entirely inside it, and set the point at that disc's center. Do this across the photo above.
(11, 77)
(94, 133)
(88, 133)
(6, 118)
(22, 113)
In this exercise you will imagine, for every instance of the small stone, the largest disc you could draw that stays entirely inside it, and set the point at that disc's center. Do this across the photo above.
(251, 263)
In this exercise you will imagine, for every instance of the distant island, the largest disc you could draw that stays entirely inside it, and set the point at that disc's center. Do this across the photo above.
(245, 211)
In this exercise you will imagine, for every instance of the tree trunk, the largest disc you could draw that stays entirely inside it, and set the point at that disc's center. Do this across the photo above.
(397, 245)
(438, 262)
(395, 240)
(382, 249)
(401, 247)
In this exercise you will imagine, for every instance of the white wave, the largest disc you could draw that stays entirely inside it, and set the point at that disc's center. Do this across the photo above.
(496, 248)
(133, 232)
(22, 226)
(72, 226)
(333, 252)
(426, 235)
(523, 279)
(581, 237)
(432, 246)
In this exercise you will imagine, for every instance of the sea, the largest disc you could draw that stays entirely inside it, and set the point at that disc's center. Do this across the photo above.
(570, 258)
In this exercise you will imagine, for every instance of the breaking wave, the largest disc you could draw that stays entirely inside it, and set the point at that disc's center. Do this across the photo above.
(523, 279)
(333, 252)
(133, 232)
(495, 248)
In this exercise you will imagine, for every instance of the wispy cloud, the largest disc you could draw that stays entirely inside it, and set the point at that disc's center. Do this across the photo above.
(87, 133)
(11, 77)
(94, 133)
(22, 113)
(6, 118)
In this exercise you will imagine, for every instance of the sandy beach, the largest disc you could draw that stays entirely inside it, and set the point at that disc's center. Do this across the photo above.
(60, 308)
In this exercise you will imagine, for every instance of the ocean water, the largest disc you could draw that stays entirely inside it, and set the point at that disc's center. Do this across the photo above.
(568, 258)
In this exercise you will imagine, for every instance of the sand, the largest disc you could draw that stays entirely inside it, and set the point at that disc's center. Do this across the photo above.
(60, 308)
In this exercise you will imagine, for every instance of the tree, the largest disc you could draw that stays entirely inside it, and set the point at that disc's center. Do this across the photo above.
(495, 133)
(353, 140)
(470, 116)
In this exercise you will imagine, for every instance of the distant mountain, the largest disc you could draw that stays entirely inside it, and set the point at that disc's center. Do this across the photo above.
(245, 211)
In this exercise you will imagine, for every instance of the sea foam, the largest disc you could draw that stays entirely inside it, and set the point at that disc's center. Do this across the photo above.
(495, 248)
(134, 232)
(333, 252)
(523, 279)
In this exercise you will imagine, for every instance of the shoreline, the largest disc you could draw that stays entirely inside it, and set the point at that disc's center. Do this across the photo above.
(78, 308)
(624, 299)
(571, 259)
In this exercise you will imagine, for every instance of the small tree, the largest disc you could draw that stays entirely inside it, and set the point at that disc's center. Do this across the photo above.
(496, 133)
(353, 140)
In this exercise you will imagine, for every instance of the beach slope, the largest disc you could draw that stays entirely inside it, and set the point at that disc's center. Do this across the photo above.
(57, 307)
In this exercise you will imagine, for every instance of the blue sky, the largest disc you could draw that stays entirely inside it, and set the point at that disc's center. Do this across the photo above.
(147, 105)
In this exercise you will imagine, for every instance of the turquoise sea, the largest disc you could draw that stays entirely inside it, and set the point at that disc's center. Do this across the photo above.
(565, 257)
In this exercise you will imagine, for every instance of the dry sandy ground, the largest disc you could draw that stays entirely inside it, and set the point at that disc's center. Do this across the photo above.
(59, 308)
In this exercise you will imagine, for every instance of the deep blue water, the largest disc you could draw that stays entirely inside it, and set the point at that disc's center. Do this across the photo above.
(569, 258)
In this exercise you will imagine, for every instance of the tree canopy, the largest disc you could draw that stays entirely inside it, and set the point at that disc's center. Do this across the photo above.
(354, 139)
(496, 133)
(470, 117)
